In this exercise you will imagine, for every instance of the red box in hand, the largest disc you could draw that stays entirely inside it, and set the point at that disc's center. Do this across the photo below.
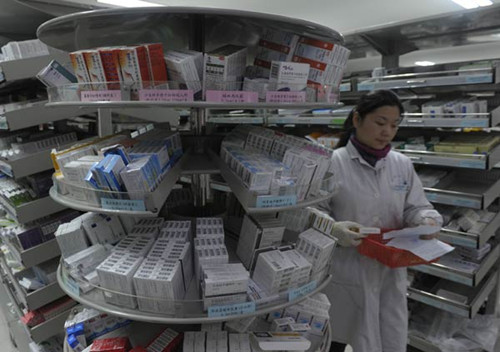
(374, 246)
(115, 344)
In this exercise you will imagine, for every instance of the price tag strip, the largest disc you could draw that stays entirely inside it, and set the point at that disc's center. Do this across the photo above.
(123, 204)
(298, 292)
(228, 96)
(286, 97)
(231, 309)
(101, 95)
(276, 201)
(168, 95)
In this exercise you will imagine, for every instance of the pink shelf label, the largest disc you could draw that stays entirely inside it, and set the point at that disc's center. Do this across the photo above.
(171, 95)
(230, 96)
(286, 97)
(101, 95)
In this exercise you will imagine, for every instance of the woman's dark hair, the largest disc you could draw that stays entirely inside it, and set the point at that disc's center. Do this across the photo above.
(367, 104)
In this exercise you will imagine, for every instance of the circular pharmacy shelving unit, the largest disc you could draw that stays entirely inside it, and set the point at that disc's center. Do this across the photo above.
(172, 25)
(188, 311)
(202, 29)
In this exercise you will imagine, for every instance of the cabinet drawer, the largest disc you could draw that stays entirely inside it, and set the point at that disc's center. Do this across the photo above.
(475, 296)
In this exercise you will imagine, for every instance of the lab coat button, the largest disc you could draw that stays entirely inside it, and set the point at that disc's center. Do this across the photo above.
(376, 195)
(375, 219)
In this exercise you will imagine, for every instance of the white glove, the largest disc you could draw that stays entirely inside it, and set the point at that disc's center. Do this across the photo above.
(430, 222)
(346, 233)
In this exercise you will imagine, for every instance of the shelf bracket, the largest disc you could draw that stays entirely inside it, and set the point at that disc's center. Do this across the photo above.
(390, 46)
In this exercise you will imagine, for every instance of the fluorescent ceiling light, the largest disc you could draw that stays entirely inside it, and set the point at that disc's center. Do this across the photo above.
(129, 3)
(483, 3)
(425, 63)
(472, 4)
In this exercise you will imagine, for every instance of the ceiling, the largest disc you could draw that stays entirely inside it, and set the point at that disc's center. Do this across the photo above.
(404, 26)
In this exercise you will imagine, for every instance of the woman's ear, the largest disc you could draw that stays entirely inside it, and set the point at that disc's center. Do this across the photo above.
(355, 120)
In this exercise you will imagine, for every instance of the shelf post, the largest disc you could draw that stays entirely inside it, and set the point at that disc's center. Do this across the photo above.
(104, 122)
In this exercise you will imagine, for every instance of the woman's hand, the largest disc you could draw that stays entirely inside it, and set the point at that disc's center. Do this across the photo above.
(347, 233)
(429, 222)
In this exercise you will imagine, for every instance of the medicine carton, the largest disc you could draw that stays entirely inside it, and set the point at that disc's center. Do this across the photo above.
(110, 58)
(79, 66)
(95, 68)
(288, 76)
(182, 70)
(224, 68)
(71, 238)
(158, 283)
(134, 65)
(116, 274)
(156, 64)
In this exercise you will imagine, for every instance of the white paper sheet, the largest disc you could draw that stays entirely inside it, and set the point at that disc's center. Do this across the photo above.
(412, 231)
(425, 249)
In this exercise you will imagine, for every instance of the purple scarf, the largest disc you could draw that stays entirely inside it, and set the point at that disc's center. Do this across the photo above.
(370, 155)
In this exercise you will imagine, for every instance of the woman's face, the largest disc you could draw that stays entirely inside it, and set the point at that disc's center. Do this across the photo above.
(379, 127)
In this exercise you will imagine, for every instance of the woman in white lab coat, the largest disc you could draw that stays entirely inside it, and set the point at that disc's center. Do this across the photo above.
(374, 187)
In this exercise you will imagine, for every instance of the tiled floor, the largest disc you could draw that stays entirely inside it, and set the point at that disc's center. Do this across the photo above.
(5, 343)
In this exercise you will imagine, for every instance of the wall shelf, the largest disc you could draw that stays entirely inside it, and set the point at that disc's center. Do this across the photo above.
(467, 278)
(31, 211)
(457, 189)
(476, 296)
(471, 240)
(22, 68)
(36, 113)
(467, 161)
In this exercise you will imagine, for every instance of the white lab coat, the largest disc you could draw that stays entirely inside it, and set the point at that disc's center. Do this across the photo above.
(368, 299)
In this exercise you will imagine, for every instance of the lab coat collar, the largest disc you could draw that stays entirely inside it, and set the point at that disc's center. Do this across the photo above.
(354, 154)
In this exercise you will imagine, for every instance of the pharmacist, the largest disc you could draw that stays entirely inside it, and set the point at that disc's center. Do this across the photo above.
(374, 187)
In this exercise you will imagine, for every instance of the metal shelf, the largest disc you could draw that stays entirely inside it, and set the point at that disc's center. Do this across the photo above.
(458, 189)
(307, 120)
(168, 24)
(476, 296)
(43, 296)
(22, 165)
(95, 299)
(36, 299)
(199, 164)
(345, 87)
(193, 104)
(418, 120)
(155, 200)
(49, 327)
(22, 68)
(426, 346)
(31, 211)
(36, 255)
(248, 199)
(33, 114)
(467, 161)
(472, 240)
(236, 120)
(470, 279)
(432, 79)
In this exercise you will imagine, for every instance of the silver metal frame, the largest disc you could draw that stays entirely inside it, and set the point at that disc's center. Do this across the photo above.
(157, 318)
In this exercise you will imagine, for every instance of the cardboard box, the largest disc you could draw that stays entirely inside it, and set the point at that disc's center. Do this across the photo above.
(134, 64)
(224, 68)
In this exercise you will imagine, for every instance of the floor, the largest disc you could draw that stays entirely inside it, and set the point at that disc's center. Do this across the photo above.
(5, 343)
